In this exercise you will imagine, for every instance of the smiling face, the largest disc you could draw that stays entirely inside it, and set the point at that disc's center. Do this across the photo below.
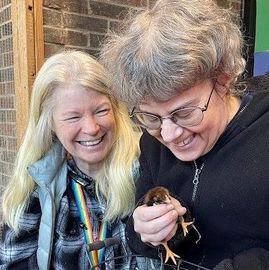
(190, 143)
(84, 122)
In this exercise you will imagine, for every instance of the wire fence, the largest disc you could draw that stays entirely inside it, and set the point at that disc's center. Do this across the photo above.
(181, 265)
(143, 263)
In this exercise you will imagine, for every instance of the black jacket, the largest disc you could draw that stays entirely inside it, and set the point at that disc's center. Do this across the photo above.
(231, 207)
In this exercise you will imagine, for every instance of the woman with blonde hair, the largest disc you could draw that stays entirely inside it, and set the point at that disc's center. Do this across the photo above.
(73, 182)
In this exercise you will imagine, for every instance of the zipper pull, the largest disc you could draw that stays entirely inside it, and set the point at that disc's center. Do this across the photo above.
(195, 180)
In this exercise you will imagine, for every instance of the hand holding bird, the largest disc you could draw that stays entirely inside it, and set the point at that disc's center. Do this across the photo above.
(161, 195)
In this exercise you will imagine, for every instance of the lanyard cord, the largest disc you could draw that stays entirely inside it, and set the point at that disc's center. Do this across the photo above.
(94, 256)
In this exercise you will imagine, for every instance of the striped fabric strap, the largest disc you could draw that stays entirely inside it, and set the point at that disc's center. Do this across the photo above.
(95, 257)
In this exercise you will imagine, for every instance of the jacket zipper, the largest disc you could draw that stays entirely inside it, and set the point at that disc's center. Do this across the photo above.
(198, 171)
(195, 180)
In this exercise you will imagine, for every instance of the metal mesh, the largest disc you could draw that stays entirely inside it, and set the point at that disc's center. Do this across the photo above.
(141, 263)
(7, 97)
(181, 265)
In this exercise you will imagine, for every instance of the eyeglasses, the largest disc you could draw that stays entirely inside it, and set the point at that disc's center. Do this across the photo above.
(184, 117)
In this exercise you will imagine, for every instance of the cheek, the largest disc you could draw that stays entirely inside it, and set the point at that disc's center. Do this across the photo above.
(110, 125)
(209, 132)
(64, 132)
(210, 123)
(155, 133)
(59, 130)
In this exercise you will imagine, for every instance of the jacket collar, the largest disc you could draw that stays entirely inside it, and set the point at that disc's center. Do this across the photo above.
(45, 170)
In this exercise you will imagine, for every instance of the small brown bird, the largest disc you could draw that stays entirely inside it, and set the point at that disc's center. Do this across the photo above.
(160, 195)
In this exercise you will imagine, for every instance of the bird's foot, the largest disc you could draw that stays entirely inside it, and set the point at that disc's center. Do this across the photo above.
(185, 225)
(170, 254)
(199, 235)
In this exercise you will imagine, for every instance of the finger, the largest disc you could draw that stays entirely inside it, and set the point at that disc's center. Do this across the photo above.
(155, 225)
(157, 229)
(180, 209)
(147, 213)
(172, 233)
(167, 233)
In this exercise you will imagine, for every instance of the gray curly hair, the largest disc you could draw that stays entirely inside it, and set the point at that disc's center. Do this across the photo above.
(171, 47)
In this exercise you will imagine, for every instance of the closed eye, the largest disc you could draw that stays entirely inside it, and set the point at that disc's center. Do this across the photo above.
(72, 119)
(184, 113)
(103, 112)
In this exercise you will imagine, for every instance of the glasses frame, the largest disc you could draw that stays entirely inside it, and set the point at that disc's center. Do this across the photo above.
(170, 116)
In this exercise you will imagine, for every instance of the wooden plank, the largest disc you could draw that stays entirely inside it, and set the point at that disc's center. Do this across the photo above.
(39, 33)
(27, 28)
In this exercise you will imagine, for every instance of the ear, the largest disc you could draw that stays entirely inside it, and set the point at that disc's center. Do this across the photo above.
(224, 80)
(223, 84)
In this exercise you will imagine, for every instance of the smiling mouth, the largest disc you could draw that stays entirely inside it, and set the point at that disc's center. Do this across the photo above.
(186, 141)
(91, 142)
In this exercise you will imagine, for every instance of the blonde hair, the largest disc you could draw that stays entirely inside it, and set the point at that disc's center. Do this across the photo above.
(170, 48)
(116, 183)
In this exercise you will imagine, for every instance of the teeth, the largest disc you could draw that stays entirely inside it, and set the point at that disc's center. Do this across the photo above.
(186, 141)
(90, 143)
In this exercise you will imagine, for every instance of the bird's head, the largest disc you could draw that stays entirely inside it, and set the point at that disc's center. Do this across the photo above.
(157, 195)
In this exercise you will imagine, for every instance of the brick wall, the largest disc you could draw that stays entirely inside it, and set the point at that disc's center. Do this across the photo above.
(83, 24)
(78, 24)
(7, 96)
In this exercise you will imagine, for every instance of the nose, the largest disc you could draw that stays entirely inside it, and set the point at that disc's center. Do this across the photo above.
(90, 126)
(170, 131)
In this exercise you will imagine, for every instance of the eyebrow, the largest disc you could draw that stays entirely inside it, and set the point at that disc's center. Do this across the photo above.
(69, 113)
(185, 105)
(105, 103)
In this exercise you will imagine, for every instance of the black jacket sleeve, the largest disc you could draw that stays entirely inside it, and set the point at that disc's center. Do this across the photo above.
(137, 246)
(143, 184)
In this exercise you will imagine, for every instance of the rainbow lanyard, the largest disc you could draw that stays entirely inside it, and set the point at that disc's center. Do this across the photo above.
(95, 257)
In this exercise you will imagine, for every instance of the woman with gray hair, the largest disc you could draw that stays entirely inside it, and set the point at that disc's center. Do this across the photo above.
(177, 65)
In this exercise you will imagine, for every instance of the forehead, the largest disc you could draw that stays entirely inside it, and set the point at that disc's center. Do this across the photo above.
(75, 95)
(189, 97)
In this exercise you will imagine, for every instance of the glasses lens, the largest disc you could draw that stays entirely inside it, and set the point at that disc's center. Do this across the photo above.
(188, 117)
(147, 120)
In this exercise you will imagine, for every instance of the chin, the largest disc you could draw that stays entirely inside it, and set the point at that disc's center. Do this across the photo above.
(187, 157)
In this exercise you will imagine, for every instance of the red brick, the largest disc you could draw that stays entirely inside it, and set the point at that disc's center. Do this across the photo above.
(132, 3)
(56, 4)
(85, 23)
(78, 6)
(51, 49)
(107, 10)
(52, 17)
(96, 40)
